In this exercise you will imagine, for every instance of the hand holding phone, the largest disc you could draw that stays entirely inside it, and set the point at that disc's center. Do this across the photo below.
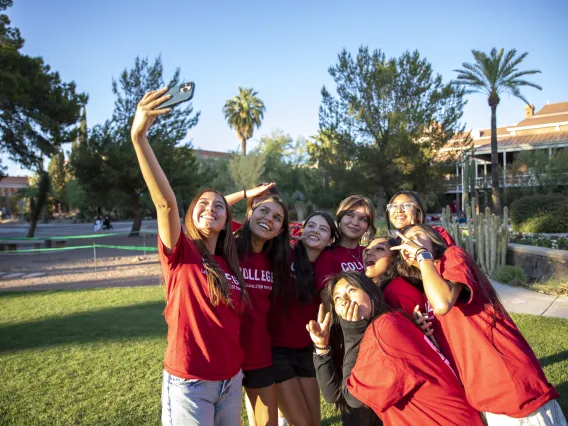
(181, 93)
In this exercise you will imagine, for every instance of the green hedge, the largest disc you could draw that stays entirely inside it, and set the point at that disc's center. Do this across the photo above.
(513, 275)
(540, 213)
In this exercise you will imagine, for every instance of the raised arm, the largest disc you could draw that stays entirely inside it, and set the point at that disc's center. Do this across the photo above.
(160, 190)
(235, 197)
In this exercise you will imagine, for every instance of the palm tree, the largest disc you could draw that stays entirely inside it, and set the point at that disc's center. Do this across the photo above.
(243, 113)
(493, 75)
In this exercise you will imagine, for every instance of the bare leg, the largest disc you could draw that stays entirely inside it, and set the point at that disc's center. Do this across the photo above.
(292, 403)
(264, 404)
(311, 392)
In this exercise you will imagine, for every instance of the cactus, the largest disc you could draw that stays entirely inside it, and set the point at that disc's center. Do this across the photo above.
(487, 238)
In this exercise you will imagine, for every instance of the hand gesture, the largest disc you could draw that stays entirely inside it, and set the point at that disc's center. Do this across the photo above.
(145, 113)
(319, 330)
(421, 320)
(260, 190)
(349, 311)
(409, 246)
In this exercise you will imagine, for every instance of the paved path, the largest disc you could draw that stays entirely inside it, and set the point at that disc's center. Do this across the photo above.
(523, 301)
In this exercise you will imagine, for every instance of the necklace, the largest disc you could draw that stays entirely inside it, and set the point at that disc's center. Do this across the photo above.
(358, 258)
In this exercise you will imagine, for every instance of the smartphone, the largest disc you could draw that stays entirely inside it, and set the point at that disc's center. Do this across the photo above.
(181, 93)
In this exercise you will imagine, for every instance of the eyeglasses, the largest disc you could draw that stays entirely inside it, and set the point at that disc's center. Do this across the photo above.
(397, 206)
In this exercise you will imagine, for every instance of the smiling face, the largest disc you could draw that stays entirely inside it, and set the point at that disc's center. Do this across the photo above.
(418, 235)
(344, 292)
(210, 213)
(354, 223)
(402, 216)
(377, 256)
(316, 233)
(266, 220)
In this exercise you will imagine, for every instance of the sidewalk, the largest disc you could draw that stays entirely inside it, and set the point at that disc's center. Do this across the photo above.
(523, 301)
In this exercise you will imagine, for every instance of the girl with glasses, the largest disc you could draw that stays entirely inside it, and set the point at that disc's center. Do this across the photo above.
(405, 208)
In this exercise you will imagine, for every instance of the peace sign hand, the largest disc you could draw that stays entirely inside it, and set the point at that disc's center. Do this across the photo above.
(319, 330)
(411, 247)
(145, 113)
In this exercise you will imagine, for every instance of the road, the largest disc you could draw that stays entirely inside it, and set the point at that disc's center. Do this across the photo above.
(53, 229)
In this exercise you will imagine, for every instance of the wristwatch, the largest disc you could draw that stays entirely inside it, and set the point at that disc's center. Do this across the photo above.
(424, 255)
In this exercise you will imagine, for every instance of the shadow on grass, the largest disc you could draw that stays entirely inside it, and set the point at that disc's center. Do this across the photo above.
(552, 359)
(130, 322)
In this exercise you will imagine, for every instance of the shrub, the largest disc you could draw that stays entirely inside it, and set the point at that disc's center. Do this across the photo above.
(508, 274)
(540, 213)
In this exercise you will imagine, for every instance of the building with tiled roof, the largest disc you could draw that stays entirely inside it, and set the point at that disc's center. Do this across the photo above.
(9, 185)
(546, 130)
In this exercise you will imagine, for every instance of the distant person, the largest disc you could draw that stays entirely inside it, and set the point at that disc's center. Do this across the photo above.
(106, 224)
(98, 224)
(453, 207)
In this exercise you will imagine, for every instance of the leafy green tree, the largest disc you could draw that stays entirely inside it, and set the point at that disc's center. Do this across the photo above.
(387, 123)
(106, 163)
(37, 112)
(57, 176)
(493, 75)
(246, 172)
(243, 113)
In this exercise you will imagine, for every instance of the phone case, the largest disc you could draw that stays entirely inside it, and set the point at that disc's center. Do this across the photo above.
(181, 93)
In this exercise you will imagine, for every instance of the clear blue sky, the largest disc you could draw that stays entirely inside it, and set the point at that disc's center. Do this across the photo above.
(284, 49)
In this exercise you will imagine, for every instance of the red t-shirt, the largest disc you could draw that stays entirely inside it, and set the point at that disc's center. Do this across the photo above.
(400, 375)
(255, 338)
(399, 294)
(288, 326)
(445, 235)
(498, 369)
(333, 261)
(203, 340)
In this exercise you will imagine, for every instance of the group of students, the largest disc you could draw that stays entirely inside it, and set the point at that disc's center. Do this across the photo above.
(406, 330)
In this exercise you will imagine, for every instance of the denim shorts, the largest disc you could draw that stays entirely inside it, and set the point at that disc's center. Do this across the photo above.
(201, 402)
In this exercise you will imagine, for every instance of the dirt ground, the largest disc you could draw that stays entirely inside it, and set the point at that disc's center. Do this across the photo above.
(74, 269)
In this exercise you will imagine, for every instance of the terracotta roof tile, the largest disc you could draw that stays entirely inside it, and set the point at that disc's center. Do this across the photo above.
(554, 108)
(536, 120)
(21, 180)
(553, 137)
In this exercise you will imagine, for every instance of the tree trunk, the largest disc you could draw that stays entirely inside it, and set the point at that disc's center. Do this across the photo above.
(244, 147)
(36, 205)
(496, 195)
(137, 215)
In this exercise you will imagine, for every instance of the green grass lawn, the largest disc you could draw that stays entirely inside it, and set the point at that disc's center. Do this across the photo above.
(94, 357)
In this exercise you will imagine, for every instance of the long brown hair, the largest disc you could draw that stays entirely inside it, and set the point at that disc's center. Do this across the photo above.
(350, 204)
(219, 286)
(277, 249)
(336, 340)
(488, 293)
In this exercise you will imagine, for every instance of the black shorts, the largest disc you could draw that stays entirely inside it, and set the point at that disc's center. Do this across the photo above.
(259, 378)
(291, 362)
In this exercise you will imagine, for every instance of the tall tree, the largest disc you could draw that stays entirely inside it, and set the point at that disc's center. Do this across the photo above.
(243, 113)
(106, 163)
(493, 75)
(37, 110)
(387, 122)
(57, 177)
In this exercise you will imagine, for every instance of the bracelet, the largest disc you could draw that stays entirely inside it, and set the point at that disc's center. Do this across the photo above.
(420, 250)
(325, 348)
